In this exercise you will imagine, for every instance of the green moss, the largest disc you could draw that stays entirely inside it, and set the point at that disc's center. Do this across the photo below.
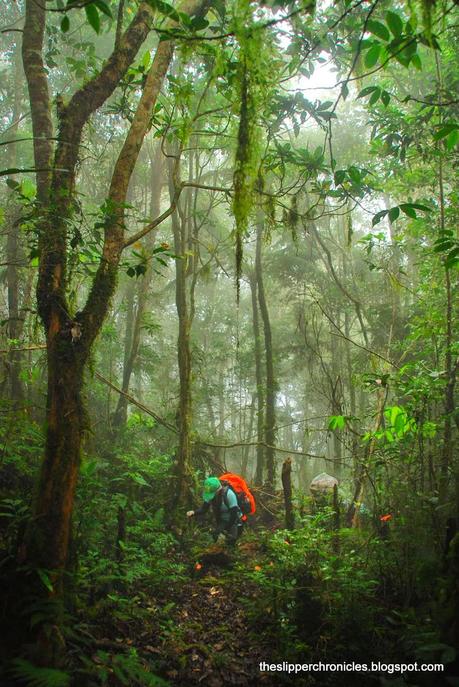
(255, 84)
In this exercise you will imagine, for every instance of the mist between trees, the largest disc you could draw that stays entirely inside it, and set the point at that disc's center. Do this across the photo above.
(228, 244)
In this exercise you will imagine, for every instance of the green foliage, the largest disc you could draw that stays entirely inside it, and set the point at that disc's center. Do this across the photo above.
(308, 587)
(336, 422)
(127, 669)
(35, 676)
(255, 85)
(408, 209)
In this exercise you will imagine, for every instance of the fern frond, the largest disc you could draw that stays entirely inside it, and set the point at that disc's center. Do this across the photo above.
(34, 676)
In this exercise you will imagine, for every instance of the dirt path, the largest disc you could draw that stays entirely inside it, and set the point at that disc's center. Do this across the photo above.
(213, 641)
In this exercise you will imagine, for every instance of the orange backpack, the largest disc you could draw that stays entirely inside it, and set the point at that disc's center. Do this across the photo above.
(245, 497)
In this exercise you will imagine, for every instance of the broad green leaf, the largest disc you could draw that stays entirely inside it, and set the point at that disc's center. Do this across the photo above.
(28, 188)
(385, 98)
(375, 96)
(408, 210)
(92, 16)
(452, 139)
(165, 8)
(372, 55)
(43, 575)
(366, 91)
(139, 479)
(340, 175)
(419, 206)
(378, 29)
(103, 7)
(65, 24)
(394, 213)
(355, 174)
(452, 259)
(400, 424)
(445, 131)
(395, 23)
(378, 217)
(416, 62)
(199, 23)
(336, 422)
(13, 184)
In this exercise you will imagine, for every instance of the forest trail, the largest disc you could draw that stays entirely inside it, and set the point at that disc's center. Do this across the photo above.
(213, 641)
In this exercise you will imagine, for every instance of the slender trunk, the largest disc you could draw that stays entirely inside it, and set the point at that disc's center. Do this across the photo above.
(179, 228)
(354, 441)
(270, 426)
(336, 394)
(134, 319)
(15, 322)
(287, 487)
(362, 469)
(394, 281)
(246, 451)
(449, 404)
(120, 415)
(258, 381)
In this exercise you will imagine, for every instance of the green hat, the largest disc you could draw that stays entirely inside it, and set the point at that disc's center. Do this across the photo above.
(211, 486)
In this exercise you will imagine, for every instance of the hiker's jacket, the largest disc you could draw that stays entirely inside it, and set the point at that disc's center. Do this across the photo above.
(225, 508)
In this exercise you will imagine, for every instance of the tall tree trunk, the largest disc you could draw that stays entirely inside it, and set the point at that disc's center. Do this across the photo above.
(260, 453)
(184, 414)
(352, 516)
(246, 450)
(69, 343)
(15, 321)
(270, 425)
(336, 394)
(134, 319)
(120, 414)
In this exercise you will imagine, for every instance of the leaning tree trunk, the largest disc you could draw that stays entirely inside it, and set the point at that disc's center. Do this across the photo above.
(270, 426)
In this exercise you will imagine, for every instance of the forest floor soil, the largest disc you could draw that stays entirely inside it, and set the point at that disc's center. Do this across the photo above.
(213, 640)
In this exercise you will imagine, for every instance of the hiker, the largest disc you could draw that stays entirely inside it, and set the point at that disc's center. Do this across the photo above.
(225, 506)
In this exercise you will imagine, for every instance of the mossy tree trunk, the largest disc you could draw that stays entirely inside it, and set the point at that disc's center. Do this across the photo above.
(67, 355)
(13, 251)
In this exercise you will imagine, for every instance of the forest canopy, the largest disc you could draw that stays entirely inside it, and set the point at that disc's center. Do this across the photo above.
(229, 249)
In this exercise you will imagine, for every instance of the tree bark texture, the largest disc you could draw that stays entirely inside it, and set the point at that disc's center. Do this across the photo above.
(184, 414)
(287, 487)
(13, 252)
(270, 425)
(260, 458)
(47, 544)
(246, 450)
